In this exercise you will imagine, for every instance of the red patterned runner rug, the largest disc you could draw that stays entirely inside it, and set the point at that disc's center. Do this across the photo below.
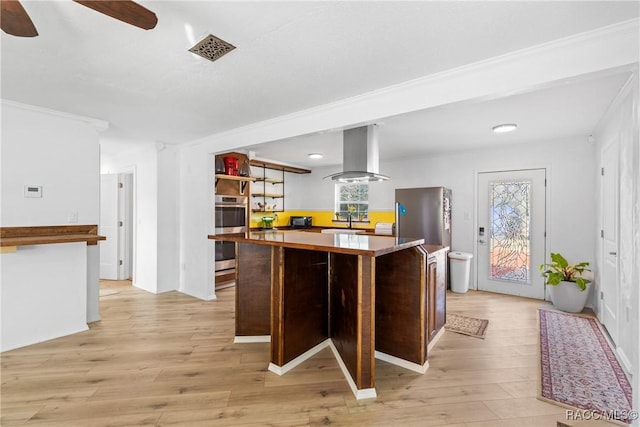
(579, 369)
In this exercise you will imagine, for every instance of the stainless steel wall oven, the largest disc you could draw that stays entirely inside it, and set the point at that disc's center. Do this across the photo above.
(231, 218)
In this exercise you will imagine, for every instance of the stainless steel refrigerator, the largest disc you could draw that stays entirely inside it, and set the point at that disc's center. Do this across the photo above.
(424, 212)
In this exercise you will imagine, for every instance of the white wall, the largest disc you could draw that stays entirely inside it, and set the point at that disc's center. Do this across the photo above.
(57, 152)
(93, 283)
(48, 290)
(197, 187)
(571, 189)
(621, 124)
(168, 220)
(595, 52)
(143, 161)
(156, 244)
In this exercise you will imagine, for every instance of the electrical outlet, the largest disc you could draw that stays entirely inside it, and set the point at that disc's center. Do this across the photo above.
(72, 218)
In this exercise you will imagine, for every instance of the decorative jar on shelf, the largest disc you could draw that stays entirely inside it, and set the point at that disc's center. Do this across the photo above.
(245, 169)
(219, 165)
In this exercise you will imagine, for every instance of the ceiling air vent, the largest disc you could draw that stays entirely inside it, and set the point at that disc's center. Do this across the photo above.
(212, 48)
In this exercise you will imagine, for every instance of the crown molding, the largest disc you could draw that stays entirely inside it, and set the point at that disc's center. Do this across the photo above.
(590, 52)
(98, 125)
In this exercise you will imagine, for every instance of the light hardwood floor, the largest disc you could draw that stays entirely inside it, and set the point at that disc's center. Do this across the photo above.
(169, 359)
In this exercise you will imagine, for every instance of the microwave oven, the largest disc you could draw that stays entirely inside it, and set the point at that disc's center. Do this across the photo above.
(301, 222)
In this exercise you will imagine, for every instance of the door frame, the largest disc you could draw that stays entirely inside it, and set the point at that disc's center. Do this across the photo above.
(601, 257)
(131, 170)
(547, 213)
(125, 232)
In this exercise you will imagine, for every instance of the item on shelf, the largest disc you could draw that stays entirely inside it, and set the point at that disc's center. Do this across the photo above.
(267, 222)
(245, 169)
(220, 165)
(231, 165)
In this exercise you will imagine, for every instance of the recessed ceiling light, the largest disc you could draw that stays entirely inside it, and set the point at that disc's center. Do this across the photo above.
(506, 127)
(316, 156)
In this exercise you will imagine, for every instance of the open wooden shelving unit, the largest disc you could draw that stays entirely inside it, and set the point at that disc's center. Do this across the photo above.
(264, 179)
(242, 180)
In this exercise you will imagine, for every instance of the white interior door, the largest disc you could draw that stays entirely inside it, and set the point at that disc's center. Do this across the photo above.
(109, 226)
(125, 218)
(511, 232)
(609, 277)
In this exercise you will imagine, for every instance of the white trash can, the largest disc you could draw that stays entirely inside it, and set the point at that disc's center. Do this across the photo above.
(459, 266)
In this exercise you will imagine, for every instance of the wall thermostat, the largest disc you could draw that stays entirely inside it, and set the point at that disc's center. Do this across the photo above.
(33, 191)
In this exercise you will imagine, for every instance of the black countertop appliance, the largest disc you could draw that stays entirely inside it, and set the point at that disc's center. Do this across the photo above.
(300, 222)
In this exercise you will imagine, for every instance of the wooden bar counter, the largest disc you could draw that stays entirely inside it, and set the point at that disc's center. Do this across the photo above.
(363, 296)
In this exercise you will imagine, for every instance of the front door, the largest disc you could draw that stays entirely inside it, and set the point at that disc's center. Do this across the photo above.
(609, 285)
(511, 232)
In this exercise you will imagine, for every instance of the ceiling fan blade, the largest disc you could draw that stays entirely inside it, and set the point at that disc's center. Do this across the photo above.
(125, 11)
(14, 19)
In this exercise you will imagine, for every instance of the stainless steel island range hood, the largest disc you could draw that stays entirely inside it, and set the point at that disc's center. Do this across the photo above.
(359, 156)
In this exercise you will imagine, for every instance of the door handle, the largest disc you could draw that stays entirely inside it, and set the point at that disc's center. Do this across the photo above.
(483, 242)
(613, 253)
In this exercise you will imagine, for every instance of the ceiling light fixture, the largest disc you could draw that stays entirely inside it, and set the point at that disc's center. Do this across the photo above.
(506, 127)
(315, 155)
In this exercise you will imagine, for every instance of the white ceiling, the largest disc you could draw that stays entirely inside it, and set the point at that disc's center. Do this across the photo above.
(292, 56)
(562, 111)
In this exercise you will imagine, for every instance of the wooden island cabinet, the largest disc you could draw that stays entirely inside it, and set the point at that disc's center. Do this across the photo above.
(436, 291)
(363, 296)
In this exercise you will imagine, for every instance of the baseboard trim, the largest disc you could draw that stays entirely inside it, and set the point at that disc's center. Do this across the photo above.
(281, 370)
(251, 338)
(365, 393)
(415, 367)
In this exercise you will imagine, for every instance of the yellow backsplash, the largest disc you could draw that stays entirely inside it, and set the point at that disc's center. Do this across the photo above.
(321, 218)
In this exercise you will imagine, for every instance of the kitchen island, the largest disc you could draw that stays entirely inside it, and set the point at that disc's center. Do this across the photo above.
(362, 296)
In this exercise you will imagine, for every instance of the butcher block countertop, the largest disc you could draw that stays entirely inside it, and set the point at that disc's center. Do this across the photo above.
(353, 244)
(11, 237)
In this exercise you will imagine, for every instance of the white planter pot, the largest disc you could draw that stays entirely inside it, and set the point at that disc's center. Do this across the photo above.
(568, 297)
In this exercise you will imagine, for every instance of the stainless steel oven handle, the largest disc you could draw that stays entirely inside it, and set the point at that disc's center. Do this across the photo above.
(230, 205)
(230, 230)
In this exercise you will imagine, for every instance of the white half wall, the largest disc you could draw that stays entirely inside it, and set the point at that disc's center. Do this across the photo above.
(48, 290)
(44, 302)
(93, 284)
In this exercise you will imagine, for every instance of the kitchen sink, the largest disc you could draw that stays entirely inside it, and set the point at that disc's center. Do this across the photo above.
(342, 231)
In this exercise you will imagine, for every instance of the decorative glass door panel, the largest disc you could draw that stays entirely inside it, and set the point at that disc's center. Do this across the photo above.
(509, 244)
(511, 232)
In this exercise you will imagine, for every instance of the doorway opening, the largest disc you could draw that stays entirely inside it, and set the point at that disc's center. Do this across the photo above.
(116, 223)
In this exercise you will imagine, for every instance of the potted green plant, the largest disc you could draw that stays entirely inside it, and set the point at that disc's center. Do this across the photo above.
(568, 288)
